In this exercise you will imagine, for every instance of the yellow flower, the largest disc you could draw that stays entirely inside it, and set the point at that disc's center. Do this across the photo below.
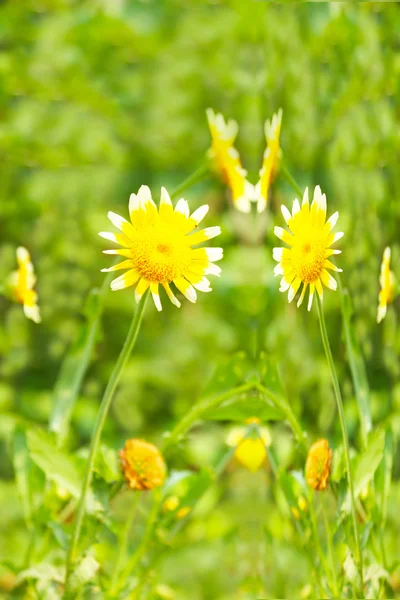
(318, 465)
(160, 246)
(295, 513)
(387, 282)
(250, 451)
(306, 260)
(22, 283)
(227, 160)
(143, 465)
(171, 503)
(270, 160)
(183, 512)
(302, 502)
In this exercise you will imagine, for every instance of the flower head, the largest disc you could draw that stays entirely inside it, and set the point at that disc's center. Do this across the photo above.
(143, 465)
(387, 282)
(309, 240)
(227, 160)
(318, 465)
(22, 283)
(271, 158)
(160, 246)
(250, 449)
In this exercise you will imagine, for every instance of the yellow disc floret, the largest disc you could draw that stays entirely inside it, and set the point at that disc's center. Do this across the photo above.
(306, 260)
(161, 247)
(22, 284)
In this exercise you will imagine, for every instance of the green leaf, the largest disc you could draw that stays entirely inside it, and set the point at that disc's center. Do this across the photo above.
(357, 367)
(365, 465)
(107, 464)
(23, 471)
(268, 374)
(338, 470)
(350, 569)
(229, 374)
(57, 465)
(42, 572)
(384, 477)
(240, 409)
(84, 573)
(75, 364)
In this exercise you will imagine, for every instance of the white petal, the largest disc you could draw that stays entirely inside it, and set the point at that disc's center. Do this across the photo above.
(210, 116)
(286, 213)
(279, 232)
(116, 220)
(212, 269)
(333, 220)
(278, 270)
(157, 301)
(233, 153)
(310, 300)
(305, 197)
(182, 207)
(277, 254)
(296, 206)
(212, 232)
(214, 254)
(108, 236)
(165, 198)
(23, 254)
(285, 285)
(203, 285)
(134, 203)
(200, 213)
(337, 236)
(144, 194)
(303, 293)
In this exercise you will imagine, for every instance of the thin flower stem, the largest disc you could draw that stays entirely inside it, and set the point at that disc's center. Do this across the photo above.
(147, 537)
(123, 542)
(287, 410)
(339, 402)
(317, 540)
(199, 409)
(98, 427)
(328, 531)
(195, 177)
(287, 176)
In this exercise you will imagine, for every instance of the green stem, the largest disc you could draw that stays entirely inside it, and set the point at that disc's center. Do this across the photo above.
(123, 543)
(317, 541)
(339, 402)
(331, 555)
(199, 409)
(287, 176)
(98, 427)
(195, 177)
(148, 534)
(289, 414)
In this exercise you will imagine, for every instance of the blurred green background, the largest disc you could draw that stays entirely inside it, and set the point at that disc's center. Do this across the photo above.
(98, 97)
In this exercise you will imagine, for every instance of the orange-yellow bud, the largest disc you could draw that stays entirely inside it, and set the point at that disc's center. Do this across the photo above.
(318, 465)
(143, 465)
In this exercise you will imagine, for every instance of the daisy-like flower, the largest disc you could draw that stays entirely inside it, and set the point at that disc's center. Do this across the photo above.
(306, 260)
(21, 284)
(142, 464)
(318, 465)
(250, 450)
(161, 247)
(227, 160)
(387, 282)
(271, 159)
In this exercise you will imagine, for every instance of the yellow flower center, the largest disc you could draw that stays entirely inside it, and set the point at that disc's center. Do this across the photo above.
(308, 255)
(161, 253)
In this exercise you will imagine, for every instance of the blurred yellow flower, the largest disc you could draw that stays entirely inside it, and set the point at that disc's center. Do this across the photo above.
(387, 282)
(183, 512)
(302, 502)
(227, 160)
(171, 503)
(306, 260)
(270, 160)
(295, 513)
(318, 465)
(158, 245)
(22, 282)
(250, 451)
(142, 464)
